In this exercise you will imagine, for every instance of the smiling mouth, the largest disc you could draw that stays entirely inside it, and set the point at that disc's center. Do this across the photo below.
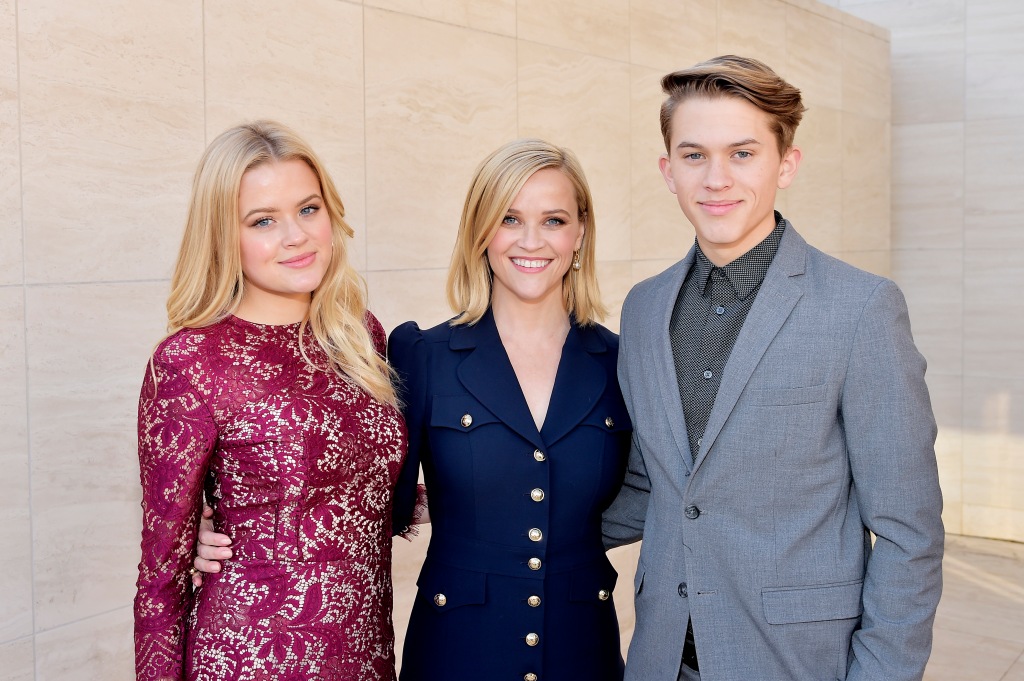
(718, 207)
(299, 260)
(530, 264)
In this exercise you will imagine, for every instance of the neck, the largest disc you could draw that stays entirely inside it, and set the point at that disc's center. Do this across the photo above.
(721, 254)
(543, 319)
(275, 311)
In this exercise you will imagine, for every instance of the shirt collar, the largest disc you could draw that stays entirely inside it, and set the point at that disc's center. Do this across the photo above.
(746, 272)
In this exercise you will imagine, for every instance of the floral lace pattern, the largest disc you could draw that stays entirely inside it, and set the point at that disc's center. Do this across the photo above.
(299, 464)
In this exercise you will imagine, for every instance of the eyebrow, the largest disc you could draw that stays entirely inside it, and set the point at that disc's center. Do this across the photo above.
(547, 212)
(274, 210)
(686, 144)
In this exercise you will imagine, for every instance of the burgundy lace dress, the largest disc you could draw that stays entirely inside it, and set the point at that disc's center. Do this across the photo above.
(300, 465)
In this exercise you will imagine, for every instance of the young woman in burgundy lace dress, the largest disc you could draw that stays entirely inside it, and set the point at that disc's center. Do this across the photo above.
(271, 394)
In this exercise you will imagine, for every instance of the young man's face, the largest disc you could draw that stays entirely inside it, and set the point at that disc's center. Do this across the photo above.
(724, 167)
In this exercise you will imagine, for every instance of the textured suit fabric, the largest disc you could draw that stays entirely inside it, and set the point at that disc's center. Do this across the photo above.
(821, 434)
(484, 463)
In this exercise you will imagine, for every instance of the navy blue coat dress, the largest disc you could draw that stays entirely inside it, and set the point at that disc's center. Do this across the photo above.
(516, 584)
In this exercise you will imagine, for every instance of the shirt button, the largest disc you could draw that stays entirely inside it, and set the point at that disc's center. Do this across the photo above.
(538, 455)
(536, 535)
(533, 601)
(532, 639)
(708, 374)
(700, 441)
(719, 310)
(534, 563)
(537, 494)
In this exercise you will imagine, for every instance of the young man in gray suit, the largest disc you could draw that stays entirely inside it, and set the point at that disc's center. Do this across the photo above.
(781, 422)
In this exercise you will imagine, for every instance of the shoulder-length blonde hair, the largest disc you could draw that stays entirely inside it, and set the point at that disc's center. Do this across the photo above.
(495, 185)
(208, 283)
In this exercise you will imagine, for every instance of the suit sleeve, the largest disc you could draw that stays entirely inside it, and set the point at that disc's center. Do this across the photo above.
(176, 436)
(890, 433)
(407, 354)
(623, 521)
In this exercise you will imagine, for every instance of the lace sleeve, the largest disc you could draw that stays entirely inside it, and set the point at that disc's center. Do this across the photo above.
(176, 436)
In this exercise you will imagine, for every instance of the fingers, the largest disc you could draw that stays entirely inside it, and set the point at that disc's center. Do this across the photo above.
(210, 538)
(207, 511)
(197, 578)
(203, 565)
(210, 552)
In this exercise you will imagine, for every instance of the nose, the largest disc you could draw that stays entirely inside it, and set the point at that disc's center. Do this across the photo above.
(717, 176)
(530, 238)
(293, 232)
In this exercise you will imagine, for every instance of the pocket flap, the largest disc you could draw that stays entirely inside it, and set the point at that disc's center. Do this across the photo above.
(589, 582)
(459, 412)
(781, 397)
(447, 587)
(789, 605)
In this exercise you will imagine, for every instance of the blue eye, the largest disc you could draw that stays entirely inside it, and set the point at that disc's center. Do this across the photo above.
(262, 222)
(309, 210)
(508, 220)
(557, 222)
(694, 156)
(743, 154)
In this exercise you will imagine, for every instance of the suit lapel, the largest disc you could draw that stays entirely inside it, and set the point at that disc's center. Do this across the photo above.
(664, 365)
(488, 376)
(775, 301)
(579, 383)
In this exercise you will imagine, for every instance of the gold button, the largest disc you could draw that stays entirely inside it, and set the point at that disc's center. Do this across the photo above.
(534, 563)
(539, 455)
(536, 535)
(532, 639)
(537, 494)
(534, 601)
(610, 422)
(604, 594)
(467, 420)
(530, 676)
(440, 599)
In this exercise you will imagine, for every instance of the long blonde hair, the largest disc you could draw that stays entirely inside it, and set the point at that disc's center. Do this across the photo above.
(208, 282)
(495, 185)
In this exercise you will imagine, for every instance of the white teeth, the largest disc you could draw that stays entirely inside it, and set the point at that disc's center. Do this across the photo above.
(529, 263)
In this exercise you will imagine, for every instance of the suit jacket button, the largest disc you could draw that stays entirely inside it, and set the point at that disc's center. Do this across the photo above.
(536, 535)
(440, 599)
(529, 677)
(683, 593)
(533, 601)
(534, 563)
(604, 595)
(537, 494)
(532, 639)
(466, 421)
(538, 455)
(610, 422)
(691, 512)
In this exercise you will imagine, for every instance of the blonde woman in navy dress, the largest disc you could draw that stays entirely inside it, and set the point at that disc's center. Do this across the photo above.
(514, 414)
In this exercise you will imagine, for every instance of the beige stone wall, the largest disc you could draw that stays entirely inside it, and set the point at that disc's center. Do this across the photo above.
(105, 107)
(958, 239)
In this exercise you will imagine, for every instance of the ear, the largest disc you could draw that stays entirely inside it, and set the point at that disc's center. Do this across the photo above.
(788, 167)
(665, 166)
(583, 230)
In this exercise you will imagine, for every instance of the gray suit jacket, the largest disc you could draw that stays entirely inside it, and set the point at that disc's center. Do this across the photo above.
(821, 432)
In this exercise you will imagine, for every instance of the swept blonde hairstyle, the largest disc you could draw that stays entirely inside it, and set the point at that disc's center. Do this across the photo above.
(208, 283)
(740, 77)
(495, 184)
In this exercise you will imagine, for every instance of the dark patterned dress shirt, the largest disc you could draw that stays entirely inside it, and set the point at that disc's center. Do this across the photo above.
(712, 305)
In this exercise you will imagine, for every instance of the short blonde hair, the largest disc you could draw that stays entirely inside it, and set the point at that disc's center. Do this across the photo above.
(740, 77)
(208, 282)
(495, 185)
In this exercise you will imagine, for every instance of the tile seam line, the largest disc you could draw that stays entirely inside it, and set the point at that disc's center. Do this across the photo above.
(24, 339)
